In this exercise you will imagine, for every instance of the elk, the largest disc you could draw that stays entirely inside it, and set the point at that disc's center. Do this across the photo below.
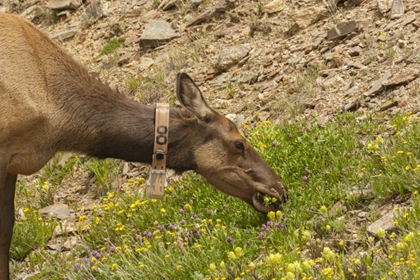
(49, 103)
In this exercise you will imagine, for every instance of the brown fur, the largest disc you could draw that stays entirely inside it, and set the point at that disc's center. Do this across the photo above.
(49, 103)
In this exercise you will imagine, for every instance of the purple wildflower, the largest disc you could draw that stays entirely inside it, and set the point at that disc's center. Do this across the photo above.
(96, 254)
(147, 234)
(290, 135)
(112, 249)
(274, 143)
(261, 235)
(229, 240)
(305, 178)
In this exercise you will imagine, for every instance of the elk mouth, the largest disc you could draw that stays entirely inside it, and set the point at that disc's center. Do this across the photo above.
(268, 200)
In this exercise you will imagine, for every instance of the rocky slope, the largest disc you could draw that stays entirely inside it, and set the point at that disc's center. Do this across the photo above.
(279, 58)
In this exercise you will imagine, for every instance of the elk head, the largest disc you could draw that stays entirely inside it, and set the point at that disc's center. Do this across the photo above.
(224, 157)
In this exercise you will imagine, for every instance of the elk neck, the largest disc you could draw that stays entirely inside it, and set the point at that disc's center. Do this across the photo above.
(104, 123)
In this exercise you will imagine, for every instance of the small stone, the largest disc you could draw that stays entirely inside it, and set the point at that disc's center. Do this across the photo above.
(131, 39)
(64, 35)
(64, 4)
(156, 33)
(384, 5)
(55, 247)
(196, 2)
(398, 9)
(59, 211)
(352, 105)
(70, 243)
(305, 17)
(249, 77)
(386, 222)
(293, 60)
(94, 10)
(230, 56)
(355, 51)
(403, 101)
(123, 59)
(321, 121)
(341, 29)
(402, 77)
(377, 85)
(388, 105)
(274, 7)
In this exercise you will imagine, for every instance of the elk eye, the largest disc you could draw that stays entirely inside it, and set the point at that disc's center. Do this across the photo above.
(239, 145)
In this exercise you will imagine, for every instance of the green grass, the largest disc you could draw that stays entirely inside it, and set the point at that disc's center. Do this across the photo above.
(111, 46)
(195, 232)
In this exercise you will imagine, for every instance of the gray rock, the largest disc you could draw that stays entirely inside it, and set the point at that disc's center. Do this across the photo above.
(64, 4)
(401, 77)
(385, 222)
(384, 5)
(230, 56)
(64, 35)
(94, 10)
(249, 77)
(59, 211)
(388, 105)
(157, 33)
(397, 9)
(355, 51)
(341, 29)
(377, 85)
(352, 105)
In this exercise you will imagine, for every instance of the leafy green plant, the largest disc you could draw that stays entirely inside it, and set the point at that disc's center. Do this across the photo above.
(111, 46)
(29, 233)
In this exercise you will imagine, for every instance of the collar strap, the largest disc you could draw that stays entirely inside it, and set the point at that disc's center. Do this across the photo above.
(157, 175)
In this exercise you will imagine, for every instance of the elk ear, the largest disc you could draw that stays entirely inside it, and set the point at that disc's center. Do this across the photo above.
(191, 98)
